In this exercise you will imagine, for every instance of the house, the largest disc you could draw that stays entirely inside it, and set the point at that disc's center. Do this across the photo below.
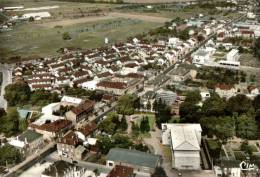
(66, 145)
(70, 101)
(180, 74)
(28, 142)
(185, 141)
(200, 57)
(63, 169)
(233, 55)
(139, 161)
(121, 171)
(204, 95)
(225, 91)
(80, 112)
(228, 169)
(86, 131)
(118, 88)
(51, 130)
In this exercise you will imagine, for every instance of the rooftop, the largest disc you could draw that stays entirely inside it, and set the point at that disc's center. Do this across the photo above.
(133, 157)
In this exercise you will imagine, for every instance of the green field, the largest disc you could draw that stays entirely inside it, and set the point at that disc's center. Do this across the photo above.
(34, 39)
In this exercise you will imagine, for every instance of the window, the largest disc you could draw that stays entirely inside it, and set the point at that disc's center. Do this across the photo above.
(110, 164)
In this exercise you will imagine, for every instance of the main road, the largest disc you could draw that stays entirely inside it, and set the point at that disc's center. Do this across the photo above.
(6, 71)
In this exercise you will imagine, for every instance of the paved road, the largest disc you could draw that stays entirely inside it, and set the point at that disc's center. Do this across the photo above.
(7, 79)
(19, 167)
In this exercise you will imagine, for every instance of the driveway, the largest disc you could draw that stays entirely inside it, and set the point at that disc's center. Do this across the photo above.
(165, 152)
(7, 79)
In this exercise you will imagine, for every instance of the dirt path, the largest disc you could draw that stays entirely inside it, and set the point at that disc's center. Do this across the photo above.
(112, 15)
(140, 17)
(68, 22)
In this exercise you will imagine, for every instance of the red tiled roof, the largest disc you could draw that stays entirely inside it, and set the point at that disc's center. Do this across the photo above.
(88, 129)
(87, 106)
(55, 126)
(224, 86)
(116, 85)
(70, 139)
(121, 171)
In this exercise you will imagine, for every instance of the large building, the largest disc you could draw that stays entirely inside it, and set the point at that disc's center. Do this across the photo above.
(140, 161)
(185, 140)
(81, 112)
(166, 96)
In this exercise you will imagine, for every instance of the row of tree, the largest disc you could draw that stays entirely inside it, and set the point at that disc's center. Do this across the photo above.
(19, 93)
(113, 124)
(11, 124)
(238, 116)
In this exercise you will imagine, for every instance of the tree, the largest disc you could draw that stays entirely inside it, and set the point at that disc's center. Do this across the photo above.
(257, 48)
(104, 143)
(189, 112)
(162, 112)
(222, 127)
(123, 124)
(256, 102)
(214, 106)
(17, 93)
(66, 36)
(193, 97)
(159, 172)
(110, 124)
(121, 141)
(148, 105)
(246, 127)
(9, 155)
(10, 123)
(144, 125)
(239, 104)
(125, 105)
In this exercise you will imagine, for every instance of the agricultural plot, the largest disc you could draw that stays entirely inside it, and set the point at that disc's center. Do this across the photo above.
(27, 39)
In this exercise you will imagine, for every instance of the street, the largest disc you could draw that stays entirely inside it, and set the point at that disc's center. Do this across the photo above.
(7, 79)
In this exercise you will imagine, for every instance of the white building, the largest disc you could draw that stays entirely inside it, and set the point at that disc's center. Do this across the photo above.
(185, 140)
(233, 55)
(201, 57)
(70, 101)
(232, 171)
(50, 108)
(36, 15)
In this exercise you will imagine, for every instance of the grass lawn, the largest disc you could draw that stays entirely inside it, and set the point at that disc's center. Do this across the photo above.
(32, 39)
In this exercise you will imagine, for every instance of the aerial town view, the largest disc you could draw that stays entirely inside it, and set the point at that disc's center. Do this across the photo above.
(129, 88)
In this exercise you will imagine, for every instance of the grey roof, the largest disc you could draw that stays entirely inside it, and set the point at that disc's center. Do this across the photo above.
(180, 71)
(201, 53)
(29, 135)
(133, 157)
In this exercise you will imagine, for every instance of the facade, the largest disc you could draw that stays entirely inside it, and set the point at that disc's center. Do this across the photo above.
(52, 130)
(140, 161)
(80, 112)
(185, 141)
(28, 141)
(66, 145)
(63, 169)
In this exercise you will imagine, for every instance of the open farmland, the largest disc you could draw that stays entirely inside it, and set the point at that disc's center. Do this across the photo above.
(33, 39)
